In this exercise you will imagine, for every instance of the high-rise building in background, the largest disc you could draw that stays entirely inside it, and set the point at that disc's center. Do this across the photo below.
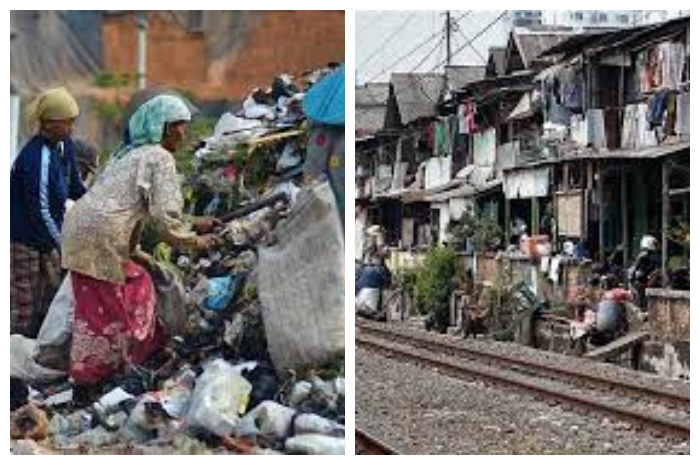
(589, 19)
(525, 18)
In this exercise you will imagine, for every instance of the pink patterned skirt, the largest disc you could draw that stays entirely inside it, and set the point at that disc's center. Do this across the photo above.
(115, 324)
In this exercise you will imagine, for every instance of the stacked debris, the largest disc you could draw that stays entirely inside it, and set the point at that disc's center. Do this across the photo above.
(254, 358)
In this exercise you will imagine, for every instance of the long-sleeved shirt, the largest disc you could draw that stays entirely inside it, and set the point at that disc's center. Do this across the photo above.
(43, 177)
(100, 230)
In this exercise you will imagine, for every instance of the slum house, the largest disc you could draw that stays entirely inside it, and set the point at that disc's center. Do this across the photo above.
(398, 163)
(477, 118)
(622, 100)
(605, 124)
(553, 133)
(370, 121)
(622, 168)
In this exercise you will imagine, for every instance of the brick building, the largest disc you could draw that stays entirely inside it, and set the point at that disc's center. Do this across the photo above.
(223, 54)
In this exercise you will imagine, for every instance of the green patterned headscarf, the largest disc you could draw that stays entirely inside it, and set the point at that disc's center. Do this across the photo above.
(147, 124)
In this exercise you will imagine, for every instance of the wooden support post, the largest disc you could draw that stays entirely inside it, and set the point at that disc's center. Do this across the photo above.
(601, 213)
(588, 188)
(624, 188)
(535, 218)
(507, 227)
(665, 217)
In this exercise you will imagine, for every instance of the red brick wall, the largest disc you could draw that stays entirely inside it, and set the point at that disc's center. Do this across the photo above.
(286, 41)
(175, 57)
(282, 41)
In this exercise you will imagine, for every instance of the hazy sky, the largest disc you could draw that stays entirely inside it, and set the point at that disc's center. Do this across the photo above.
(383, 37)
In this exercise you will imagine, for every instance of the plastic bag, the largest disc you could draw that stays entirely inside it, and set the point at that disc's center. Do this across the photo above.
(55, 335)
(22, 363)
(220, 396)
(269, 419)
(301, 283)
(171, 299)
(300, 392)
(29, 447)
(255, 110)
(368, 299)
(222, 291)
(315, 444)
(314, 424)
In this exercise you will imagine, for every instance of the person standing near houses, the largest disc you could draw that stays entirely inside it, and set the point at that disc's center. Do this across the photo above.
(43, 178)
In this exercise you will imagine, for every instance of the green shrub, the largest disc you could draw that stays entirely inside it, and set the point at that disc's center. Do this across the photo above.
(435, 280)
(484, 232)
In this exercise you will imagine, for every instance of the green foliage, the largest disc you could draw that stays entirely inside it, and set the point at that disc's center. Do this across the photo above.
(434, 280)
(112, 111)
(197, 130)
(484, 232)
(680, 233)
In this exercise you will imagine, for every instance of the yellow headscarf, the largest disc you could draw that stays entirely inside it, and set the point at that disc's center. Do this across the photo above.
(54, 104)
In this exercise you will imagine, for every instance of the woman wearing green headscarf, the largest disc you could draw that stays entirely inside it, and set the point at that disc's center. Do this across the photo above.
(115, 320)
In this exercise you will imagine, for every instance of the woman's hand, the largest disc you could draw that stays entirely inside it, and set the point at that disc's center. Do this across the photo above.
(206, 225)
(207, 242)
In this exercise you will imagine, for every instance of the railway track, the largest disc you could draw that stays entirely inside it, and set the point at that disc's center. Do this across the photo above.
(586, 391)
(367, 444)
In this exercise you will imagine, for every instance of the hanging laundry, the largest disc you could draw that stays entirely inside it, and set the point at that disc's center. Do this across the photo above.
(657, 109)
(683, 119)
(571, 88)
(671, 56)
(463, 126)
(635, 128)
(440, 148)
(471, 118)
(554, 111)
(579, 130)
(661, 66)
(596, 128)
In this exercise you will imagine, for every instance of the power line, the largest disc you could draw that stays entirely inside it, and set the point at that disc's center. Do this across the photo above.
(391, 37)
(470, 43)
(415, 49)
(430, 53)
(475, 37)
(407, 55)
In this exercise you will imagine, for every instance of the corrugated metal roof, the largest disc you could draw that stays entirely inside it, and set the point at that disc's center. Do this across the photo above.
(373, 93)
(497, 62)
(417, 95)
(615, 38)
(460, 76)
(370, 108)
(369, 120)
(531, 44)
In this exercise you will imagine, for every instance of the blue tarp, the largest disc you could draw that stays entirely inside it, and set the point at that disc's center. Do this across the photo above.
(325, 101)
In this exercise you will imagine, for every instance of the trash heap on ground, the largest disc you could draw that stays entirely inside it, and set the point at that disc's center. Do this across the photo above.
(253, 361)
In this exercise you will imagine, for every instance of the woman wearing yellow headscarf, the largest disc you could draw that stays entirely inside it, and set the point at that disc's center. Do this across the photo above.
(115, 322)
(43, 178)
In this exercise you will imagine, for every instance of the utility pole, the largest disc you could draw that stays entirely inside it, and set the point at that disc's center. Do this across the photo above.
(448, 36)
(141, 47)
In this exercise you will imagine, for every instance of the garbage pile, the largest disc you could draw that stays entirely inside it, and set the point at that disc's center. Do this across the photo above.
(254, 358)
